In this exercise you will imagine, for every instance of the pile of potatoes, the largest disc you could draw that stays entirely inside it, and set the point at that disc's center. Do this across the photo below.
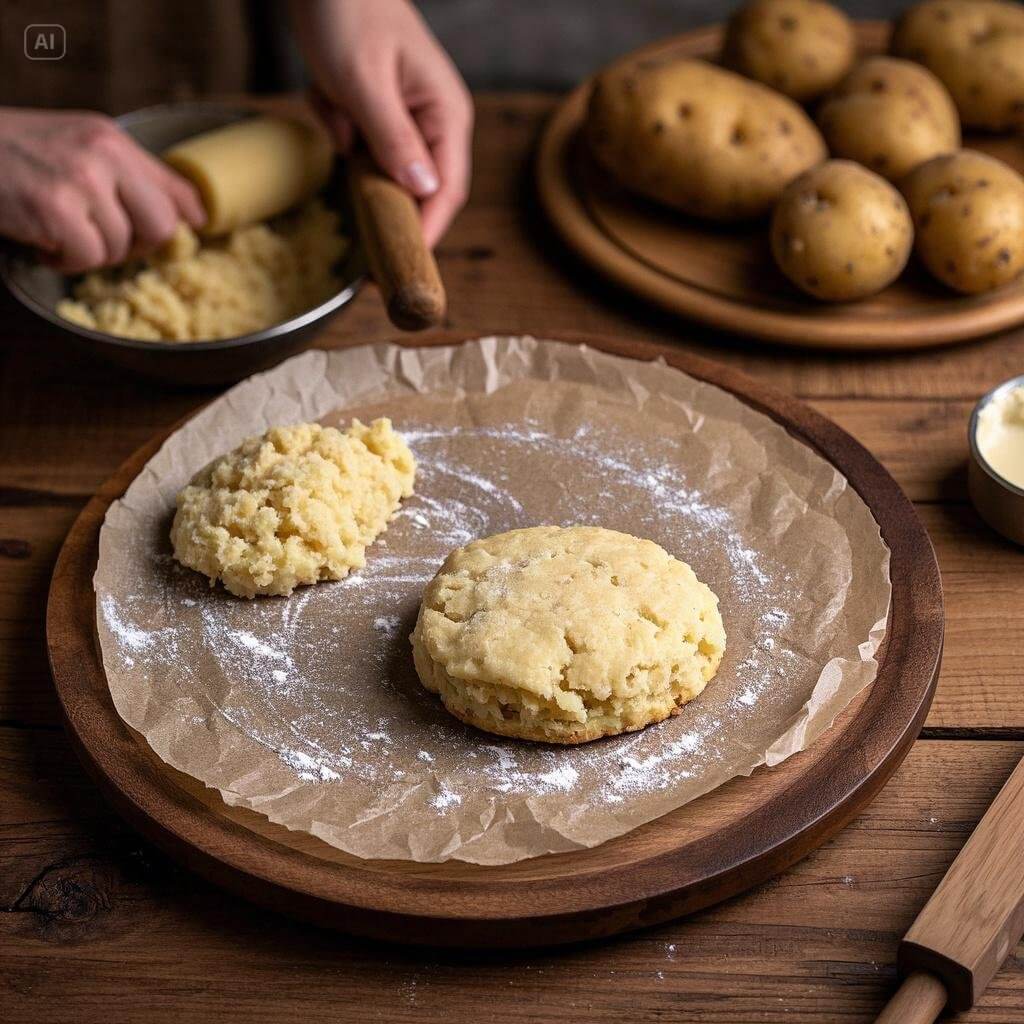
(857, 162)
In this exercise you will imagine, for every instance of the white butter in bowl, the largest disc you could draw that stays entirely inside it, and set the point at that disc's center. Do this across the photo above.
(1000, 434)
(996, 468)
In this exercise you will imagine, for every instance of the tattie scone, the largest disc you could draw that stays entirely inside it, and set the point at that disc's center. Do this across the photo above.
(296, 505)
(565, 635)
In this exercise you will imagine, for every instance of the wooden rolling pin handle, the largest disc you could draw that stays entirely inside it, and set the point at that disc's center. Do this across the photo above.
(392, 238)
(919, 1000)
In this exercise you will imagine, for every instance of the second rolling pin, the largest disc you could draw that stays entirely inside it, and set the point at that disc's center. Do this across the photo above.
(972, 922)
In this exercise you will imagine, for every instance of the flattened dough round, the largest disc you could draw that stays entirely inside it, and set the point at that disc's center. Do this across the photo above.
(564, 635)
(297, 505)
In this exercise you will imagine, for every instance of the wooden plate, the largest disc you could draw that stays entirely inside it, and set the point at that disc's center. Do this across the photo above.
(710, 849)
(725, 276)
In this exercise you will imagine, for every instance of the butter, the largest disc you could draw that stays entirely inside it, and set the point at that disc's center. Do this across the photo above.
(1000, 435)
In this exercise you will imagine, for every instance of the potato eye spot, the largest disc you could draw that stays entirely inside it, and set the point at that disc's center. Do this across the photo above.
(685, 110)
(739, 136)
(787, 23)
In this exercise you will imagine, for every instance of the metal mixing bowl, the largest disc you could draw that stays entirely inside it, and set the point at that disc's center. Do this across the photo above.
(200, 362)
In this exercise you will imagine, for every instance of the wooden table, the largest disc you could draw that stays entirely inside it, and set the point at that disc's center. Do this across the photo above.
(99, 927)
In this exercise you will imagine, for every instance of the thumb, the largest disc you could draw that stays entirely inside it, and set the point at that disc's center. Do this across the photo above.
(394, 139)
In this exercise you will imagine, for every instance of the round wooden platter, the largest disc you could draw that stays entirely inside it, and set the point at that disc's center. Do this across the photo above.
(724, 275)
(736, 836)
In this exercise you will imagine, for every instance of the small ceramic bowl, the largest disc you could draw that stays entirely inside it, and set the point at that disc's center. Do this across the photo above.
(999, 503)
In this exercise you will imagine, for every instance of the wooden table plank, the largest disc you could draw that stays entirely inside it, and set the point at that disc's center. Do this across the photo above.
(90, 907)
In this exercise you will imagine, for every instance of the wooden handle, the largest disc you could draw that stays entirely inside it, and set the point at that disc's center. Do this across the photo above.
(392, 238)
(919, 1000)
(976, 915)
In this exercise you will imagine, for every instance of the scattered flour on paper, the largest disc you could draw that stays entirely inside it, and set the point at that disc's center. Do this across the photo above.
(272, 672)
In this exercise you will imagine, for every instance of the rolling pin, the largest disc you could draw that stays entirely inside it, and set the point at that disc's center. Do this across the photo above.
(260, 167)
(972, 921)
(392, 237)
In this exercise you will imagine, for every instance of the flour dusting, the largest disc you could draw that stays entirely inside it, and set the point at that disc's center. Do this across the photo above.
(273, 671)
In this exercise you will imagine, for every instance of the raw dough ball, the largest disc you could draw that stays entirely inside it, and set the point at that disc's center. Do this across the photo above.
(968, 209)
(701, 139)
(256, 277)
(890, 115)
(800, 47)
(840, 232)
(566, 634)
(297, 505)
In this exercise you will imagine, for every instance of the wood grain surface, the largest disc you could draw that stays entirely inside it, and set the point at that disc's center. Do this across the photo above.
(99, 927)
(724, 275)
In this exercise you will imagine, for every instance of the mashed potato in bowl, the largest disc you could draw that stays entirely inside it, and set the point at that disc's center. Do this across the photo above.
(194, 290)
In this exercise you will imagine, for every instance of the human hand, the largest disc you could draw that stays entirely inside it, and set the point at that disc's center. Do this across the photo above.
(380, 73)
(75, 186)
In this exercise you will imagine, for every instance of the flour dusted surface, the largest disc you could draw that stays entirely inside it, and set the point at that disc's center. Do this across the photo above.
(308, 709)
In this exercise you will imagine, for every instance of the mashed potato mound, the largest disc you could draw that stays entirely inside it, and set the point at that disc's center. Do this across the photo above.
(297, 505)
(566, 634)
(190, 291)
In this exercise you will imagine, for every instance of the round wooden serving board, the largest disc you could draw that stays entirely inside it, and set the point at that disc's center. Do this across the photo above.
(724, 275)
(736, 836)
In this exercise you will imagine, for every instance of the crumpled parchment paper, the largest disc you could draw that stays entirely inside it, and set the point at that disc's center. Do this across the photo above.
(307, 709)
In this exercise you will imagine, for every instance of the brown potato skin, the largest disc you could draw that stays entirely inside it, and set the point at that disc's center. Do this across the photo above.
(699, 138)
(802, 48)
(890, 115)
(976, 48)
(968, 211)
(841, 232)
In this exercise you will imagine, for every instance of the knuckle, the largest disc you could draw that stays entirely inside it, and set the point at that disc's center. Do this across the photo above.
(95, 130)
(61, 199)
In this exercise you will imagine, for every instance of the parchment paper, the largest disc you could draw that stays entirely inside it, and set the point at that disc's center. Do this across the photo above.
(307, 709)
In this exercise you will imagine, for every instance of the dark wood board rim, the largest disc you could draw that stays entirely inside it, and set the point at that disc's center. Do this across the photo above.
(479, 908)
(819, 326)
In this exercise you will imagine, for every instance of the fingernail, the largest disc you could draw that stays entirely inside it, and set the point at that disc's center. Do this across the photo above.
(419, 178)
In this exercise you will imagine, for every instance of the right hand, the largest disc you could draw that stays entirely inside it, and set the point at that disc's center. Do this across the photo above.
(76, 187)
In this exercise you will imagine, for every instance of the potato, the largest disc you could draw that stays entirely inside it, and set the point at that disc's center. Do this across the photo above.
(698, 138)
(890, 115)
(800, 47)
(968, 211)
(976, 48)
(841, 232)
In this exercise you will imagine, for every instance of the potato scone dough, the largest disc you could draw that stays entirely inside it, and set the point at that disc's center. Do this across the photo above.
(202, 290)
(296, 505)
(564, 635)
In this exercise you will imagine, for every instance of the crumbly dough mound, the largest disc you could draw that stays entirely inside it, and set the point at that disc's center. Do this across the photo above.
(297, 505)
(566, 634)
(253, 278)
